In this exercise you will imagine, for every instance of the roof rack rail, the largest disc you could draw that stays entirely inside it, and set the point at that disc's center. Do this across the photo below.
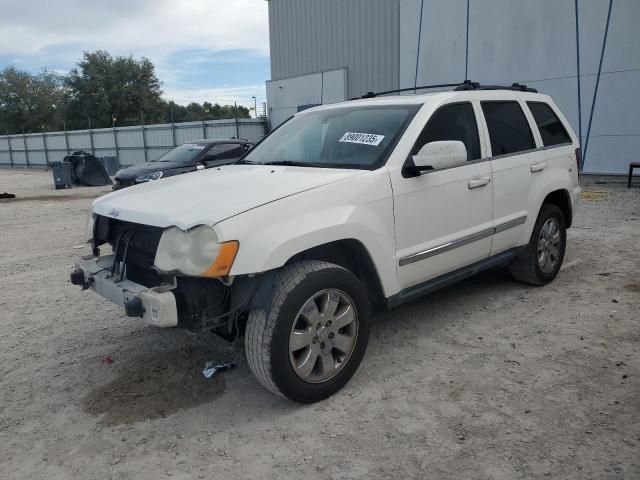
(400, 90)
(469, 85)
(466, 85)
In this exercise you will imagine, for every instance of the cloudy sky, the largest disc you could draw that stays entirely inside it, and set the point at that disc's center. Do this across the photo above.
(215, 50)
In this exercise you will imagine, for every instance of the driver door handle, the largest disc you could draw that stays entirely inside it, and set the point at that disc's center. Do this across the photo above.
(479, 182)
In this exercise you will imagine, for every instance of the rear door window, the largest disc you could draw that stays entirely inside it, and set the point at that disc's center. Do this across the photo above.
(452, 122)
(551, 128)
(509, 130)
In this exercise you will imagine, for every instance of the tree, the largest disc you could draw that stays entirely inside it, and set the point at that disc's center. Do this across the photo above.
(174, 113)
(30, 102)
(195, 112)
(102, 86)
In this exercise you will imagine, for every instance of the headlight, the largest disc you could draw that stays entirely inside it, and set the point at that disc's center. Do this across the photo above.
(195, 253)
(88, 231)
(149, 177)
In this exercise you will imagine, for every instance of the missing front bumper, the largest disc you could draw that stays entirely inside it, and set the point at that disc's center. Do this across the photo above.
(156, 306)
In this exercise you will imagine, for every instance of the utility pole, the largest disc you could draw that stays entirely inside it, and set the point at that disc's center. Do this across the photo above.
(44, 144)
(144, 138)
(24, 142)
(173, 130)
(115, 136)
(204, 125)
(235, 115)
(93, 151)
(66, 135)
(10, 151)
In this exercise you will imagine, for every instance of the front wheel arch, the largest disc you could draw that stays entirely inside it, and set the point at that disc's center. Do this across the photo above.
(352, 255)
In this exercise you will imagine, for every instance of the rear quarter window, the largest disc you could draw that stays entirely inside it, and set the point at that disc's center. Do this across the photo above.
(509, 130)
(551, 128)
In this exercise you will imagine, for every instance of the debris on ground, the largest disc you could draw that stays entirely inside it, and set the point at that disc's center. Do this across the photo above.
(211, 369)
(594, 195)
(72, 416)
(7, 195)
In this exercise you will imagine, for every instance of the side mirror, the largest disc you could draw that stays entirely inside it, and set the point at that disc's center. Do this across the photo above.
(439, 156)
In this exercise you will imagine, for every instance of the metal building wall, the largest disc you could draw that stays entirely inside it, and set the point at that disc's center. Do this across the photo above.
(309, 36)
(535, 43)
(386, 44)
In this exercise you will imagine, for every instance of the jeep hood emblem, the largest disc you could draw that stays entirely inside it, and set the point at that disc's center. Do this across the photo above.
(114, 212)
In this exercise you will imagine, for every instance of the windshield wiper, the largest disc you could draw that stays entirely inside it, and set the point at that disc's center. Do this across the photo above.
(286, 163)
(290, 163)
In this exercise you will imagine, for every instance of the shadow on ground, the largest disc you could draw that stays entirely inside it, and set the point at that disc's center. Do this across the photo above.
(153, 387)
(48, 198)
(158, 384)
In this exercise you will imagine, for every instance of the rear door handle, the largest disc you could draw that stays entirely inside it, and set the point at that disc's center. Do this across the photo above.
(479, 182)
(538, 167)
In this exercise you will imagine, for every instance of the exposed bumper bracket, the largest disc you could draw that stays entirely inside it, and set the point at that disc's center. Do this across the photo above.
(156, 306)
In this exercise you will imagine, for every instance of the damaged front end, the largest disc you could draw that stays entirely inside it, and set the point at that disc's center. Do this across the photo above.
(128, 277)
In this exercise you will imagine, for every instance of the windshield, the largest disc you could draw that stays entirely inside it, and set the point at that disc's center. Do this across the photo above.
(346, 137)
(183, 154)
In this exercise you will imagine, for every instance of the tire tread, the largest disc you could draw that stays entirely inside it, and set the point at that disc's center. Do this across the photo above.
(523, 268)
(261, 324)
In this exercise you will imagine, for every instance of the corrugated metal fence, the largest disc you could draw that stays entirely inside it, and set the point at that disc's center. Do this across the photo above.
(130, 144)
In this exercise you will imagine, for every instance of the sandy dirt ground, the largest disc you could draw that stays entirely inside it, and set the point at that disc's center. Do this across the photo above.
(486, 379)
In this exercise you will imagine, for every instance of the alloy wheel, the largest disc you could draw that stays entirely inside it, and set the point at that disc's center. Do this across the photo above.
(549, 245)
(323, 336)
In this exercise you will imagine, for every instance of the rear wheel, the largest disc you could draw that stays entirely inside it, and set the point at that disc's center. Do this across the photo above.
(311, 340)
(541, 259)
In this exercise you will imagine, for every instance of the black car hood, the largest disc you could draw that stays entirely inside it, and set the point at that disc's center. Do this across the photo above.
(169, 168)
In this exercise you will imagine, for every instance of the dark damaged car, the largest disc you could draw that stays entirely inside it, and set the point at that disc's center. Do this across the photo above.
(188, 157)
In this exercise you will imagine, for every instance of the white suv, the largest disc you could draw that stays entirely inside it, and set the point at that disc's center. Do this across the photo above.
(343, 209)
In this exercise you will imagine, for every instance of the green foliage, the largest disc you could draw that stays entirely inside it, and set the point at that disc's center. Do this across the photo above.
(195, 112)
(29, 102)
(100, 91)
(102, 86)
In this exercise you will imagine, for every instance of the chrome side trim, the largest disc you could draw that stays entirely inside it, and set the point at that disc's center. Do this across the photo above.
(416, 257)
(510, 224)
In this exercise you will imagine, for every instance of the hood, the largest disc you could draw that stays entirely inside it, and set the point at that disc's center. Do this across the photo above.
(130, 173)
(210, 196)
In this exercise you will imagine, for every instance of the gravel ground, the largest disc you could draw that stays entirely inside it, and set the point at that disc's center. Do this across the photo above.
(485, 379)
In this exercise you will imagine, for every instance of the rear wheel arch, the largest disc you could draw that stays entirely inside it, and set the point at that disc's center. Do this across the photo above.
(561, 199)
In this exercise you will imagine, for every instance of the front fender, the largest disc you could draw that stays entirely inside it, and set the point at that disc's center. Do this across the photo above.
(359, 208)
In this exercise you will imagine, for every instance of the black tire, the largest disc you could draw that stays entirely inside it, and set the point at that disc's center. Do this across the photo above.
(268, 332)
(526, 267)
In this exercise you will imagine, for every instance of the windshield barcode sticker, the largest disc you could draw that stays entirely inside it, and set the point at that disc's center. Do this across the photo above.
(362, 138)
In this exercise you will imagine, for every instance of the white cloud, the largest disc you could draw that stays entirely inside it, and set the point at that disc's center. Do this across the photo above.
(154, 27)
(179, 36)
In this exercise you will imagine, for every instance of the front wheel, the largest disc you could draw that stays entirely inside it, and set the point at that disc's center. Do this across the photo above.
(541, 259)
(311, 340)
